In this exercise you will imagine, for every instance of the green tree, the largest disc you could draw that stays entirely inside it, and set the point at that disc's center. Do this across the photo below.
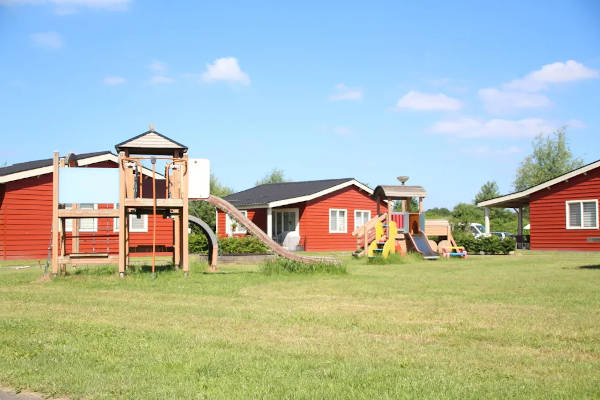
(275, 176)
(413, 206)
(206, 211)
(489, 190)
(463, 214)
(438, 213)
(551, 157)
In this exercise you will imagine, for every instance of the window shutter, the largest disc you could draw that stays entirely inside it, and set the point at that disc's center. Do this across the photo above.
(589, 214)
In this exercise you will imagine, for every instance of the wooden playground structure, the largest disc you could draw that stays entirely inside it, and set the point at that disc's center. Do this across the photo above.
(402, 231)
(133, 199)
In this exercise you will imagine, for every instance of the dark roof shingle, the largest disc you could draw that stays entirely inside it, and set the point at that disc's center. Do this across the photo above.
(29, 165)
(270, 192)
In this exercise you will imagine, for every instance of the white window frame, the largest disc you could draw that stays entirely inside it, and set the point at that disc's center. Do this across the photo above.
(355, 217)
(276, 211)
(131, 228)
(580, 202)
(337, 210)
(239, 229)
(95, 221)
(68, 221)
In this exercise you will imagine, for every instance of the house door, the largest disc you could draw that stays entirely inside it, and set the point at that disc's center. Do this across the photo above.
(285, 221)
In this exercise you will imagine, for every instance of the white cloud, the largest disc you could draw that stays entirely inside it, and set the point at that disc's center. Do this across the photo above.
(225, 69)
(418, 101)
(343, 131)
(343, 92)
(500, 101)
(158, 66)
(576, 124)
(161, 79)
(553, 73)
(113, 80)
(494, 128)
(71, 6)
(48, 40)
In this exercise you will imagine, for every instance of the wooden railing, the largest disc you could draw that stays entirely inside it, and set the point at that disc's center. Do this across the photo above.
(368, 230)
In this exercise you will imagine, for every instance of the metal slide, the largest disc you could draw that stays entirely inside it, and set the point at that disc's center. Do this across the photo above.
(421, 244)
(230, 209)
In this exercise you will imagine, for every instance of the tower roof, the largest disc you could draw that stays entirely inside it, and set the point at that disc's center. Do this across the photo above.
(150, 142)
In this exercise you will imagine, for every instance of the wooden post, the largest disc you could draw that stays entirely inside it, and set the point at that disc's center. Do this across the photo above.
(55, 232)
(177, 239)
(389, 214)
(75, 232)
(421, 206)
(486, 212)
(403, 205)
(122, 214)
(184, 217)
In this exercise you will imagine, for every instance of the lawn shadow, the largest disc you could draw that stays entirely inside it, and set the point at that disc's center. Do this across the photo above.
(590, 266)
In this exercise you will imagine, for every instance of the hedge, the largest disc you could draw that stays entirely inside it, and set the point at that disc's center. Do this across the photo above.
(198, 244)
(488, 245)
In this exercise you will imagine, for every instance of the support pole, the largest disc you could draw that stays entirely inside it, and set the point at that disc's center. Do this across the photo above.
(75, 232)
(520, 225)
(270, 222)
(486, 212)
(153, 217)
(184, 217)
(122, 214)
(177, 239)
(55, 232)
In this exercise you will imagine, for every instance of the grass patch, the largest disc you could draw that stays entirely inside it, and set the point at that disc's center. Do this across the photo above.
(410, 258)
(280, 265)
(499, 327)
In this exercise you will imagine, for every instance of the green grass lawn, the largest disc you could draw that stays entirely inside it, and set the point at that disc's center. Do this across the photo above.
(525, 326)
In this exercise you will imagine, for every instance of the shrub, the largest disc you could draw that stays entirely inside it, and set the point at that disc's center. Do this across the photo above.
(242, 245)
(198, 244)
(283, 265)
(488, 245)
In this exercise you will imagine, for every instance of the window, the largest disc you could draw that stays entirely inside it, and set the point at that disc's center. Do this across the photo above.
(582, 214)
(338, 221)
(239, 228)
(69, 221)
(285, 220)
(136, 224)
(361, 217)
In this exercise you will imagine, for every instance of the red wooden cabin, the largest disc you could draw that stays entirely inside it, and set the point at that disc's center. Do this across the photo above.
(26, 213)
(324, 213)
(563, 210)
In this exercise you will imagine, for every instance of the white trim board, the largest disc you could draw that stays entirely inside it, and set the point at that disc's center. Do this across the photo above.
(309, 197)
(527, 192)
(83, 162)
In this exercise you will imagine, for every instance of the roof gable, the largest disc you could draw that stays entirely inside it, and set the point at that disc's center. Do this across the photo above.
(150, 142)
(279, 194)
(521, 198)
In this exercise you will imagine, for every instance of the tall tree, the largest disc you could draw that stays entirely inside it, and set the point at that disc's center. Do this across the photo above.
(275, 176)
(551, 157)
(488, 190)
(204, 210)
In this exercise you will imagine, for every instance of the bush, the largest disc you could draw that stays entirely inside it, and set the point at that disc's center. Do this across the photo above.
(242, 245)
(488, 245)
(198, 244)
(283, 265)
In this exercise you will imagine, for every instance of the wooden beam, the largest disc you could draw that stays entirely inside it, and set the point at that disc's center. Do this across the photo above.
(55, 214)
(160, 203)
(88, 213)
(184, 217)
(122, 215)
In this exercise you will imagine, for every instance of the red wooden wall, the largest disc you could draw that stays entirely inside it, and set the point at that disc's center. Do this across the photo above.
(548, 214)
(26, 221)
(314, 219)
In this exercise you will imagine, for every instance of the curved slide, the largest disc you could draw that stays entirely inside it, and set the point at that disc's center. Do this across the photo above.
(213, 243)
(421, 244)
(230, 209)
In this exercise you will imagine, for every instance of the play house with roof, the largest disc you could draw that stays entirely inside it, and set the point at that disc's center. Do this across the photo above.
(563, 211)
(321, 214)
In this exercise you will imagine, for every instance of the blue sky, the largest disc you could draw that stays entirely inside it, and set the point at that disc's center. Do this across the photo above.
(448, 94)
